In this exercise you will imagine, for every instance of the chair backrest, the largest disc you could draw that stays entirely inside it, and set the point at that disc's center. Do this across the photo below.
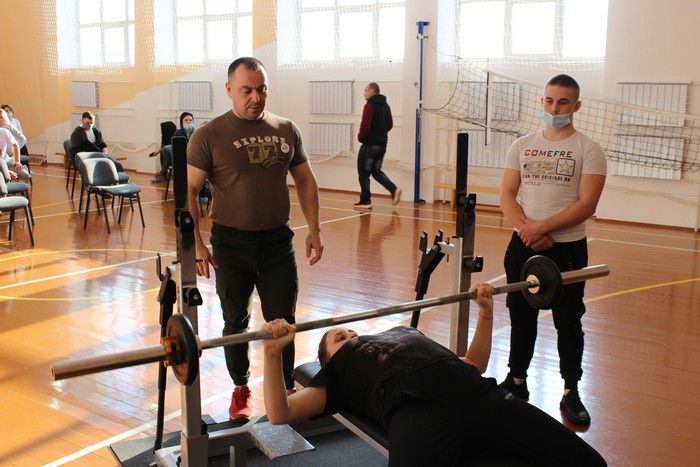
(81, 156)
(5, 171)
(66, 149)
(98, 171)
(3, 186)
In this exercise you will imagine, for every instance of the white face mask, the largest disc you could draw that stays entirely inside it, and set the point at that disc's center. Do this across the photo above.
(86, 125)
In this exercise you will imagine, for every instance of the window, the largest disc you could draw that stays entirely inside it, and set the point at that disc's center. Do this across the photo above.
(337, 30)
(522, 29)
(95, 33)
(202, 31)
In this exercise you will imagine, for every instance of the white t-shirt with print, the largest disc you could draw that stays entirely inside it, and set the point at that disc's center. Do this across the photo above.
(550, 174)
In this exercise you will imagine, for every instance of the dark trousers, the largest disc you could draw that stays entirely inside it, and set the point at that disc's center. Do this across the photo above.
(567, 313)
(262, 260)
(443, 422)
(369, 162)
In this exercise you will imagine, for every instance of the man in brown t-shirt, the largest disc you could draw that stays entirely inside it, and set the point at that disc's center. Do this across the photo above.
(246, 155)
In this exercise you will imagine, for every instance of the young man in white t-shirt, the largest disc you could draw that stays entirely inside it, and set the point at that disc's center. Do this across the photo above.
(551, 184)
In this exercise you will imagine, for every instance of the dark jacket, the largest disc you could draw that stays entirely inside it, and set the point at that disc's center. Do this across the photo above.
(376, 122)
(80, 143)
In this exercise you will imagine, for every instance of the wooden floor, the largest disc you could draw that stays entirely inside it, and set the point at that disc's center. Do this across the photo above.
(84, 292)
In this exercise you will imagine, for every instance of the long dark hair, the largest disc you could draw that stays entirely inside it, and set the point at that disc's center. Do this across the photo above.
(167, 130)
(323, 356)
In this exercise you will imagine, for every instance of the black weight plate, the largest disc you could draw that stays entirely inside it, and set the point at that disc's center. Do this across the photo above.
(186, 360)
(549, 277)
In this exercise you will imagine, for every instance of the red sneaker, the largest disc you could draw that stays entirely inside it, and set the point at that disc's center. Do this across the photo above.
(241, 405)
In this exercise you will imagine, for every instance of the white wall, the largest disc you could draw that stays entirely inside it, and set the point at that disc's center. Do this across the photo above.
(652, 41)
(648, 40)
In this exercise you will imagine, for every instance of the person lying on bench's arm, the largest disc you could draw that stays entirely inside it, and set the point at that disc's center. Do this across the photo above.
(436, 407)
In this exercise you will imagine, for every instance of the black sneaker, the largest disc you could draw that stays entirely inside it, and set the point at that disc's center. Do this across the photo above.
(573, 408)
(518, 390)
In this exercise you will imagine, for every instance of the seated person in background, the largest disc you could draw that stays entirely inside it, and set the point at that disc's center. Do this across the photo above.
(6, 122)
(15, 123)
(9, 151)
(436, 407)
(167, 131)
(186, 129)
(186, 125)
(86, 137)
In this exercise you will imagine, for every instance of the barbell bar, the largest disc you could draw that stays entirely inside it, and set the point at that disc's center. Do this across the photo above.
(177, 349)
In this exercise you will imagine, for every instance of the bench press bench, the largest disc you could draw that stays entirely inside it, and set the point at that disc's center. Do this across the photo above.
(376, 436)
(365, 428)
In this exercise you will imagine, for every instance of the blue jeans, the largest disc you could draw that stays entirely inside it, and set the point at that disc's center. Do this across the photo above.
(369, 162)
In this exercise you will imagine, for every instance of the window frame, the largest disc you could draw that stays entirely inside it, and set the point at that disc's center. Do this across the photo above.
(70, 28)
(173, 58)
(338, 9)
(557, 54)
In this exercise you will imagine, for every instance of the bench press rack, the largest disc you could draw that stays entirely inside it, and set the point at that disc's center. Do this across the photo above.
(461, 246)
(179, 287)
(195, 442)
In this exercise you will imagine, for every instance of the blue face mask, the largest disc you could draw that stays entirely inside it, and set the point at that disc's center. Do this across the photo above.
(189, 127)
(555, 121)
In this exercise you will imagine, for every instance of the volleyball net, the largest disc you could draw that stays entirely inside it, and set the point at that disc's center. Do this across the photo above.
(642, 134)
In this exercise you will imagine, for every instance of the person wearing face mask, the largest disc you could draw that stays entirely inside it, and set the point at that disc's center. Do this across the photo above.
(186, 125)
(186, 129)
(86, 137)
(551, 184)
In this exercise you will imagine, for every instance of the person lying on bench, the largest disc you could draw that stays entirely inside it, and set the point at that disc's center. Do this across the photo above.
(436, 407)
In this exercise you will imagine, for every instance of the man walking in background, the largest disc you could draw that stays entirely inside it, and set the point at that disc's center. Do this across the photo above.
(374, 129)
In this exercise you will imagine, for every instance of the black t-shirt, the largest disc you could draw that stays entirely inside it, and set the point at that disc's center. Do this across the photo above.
(365, 374)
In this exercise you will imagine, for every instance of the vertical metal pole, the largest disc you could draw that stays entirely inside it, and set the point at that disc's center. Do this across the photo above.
(419, 115)
(466, 227)
(489, 100)
(194, 441)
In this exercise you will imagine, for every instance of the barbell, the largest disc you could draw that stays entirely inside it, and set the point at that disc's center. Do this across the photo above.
(180, 348)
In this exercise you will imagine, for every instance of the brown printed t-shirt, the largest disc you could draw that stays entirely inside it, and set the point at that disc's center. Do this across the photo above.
(247, 163)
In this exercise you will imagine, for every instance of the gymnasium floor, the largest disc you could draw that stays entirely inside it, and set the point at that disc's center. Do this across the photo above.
(79, 293)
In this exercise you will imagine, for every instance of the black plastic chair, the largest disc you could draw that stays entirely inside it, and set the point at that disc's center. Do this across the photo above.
(167, 152)
(101, 179)
(168, 149)
(12, 203)
(16, 188)
(71, 164)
